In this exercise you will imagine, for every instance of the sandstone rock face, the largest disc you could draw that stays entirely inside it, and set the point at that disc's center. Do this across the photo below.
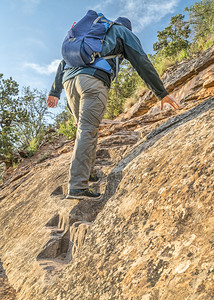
(154, 237)
(6, 291)
(189, 80)
(150, 236)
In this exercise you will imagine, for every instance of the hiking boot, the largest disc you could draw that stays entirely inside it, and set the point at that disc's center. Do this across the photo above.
(93, 178)
(83, 194)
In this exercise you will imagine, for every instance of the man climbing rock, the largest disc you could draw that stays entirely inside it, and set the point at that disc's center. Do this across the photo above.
(87, 84)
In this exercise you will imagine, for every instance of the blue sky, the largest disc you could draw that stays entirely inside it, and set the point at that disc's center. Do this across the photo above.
(32, 31)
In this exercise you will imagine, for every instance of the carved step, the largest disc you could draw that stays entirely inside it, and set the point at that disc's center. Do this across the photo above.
(53, 221)
(68, 231)
(56, 246)
(78, 232)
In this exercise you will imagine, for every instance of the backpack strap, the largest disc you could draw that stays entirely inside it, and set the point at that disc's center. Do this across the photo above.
(98, 18)
(117, 57)
(117, 68)
(113, 56)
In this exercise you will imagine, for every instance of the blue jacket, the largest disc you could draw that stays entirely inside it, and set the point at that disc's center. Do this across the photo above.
(118, 40)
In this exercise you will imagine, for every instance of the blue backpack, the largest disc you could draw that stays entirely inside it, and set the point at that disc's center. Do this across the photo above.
(83, 43)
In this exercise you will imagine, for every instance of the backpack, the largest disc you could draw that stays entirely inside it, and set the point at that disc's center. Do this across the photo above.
(83, 44)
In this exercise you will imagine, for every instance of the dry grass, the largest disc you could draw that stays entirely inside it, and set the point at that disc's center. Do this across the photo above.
(139, 92)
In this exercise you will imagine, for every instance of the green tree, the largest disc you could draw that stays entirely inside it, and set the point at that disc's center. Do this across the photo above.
(201, 19)
(23, 119)
(34, 102)
(127, 82)
(12, 113)
(173, 38)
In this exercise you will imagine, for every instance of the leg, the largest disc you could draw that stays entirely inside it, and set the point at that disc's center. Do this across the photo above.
(73, 98)
(93, 97)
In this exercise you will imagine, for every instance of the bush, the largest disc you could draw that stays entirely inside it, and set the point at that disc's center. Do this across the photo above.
(161, 63)
(22, 120)
(127, 82)
(35, 143)
(183, 54)
(67, 128)
(204, 43)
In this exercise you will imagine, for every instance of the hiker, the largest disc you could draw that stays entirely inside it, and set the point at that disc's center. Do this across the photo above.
(87, 86)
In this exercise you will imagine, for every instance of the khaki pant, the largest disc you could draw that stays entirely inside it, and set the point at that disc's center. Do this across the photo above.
(87, 98)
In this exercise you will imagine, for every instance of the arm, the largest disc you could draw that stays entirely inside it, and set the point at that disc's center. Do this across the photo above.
(57, 86)
(121, 40)
(133, 51)
(148, 73)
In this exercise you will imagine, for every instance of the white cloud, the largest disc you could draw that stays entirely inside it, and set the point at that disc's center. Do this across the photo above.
(102, 5)
(147, 13)
(142, 13)
(44, 70)
(30, 5)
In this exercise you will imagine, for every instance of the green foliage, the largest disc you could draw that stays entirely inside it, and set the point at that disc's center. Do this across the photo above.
(204, 44)
(63, 117)
(161, 63)
(173, 38)
(12, 113)
(201, 19)
(35, 103)
(128, 80)
(67, 128)
(34, 143)
(183, 54)
(22, 119)
(65, 124)
(174, 43)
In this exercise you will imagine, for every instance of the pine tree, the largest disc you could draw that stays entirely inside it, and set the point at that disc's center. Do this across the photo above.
(173, 38)
(201, 18)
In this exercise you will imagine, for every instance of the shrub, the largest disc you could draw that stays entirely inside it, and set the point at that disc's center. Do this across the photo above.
(68, 129)
(35, 143)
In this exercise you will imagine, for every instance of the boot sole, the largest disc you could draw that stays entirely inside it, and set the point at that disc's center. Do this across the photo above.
(83, 197)
(98, 181)
(91, 181)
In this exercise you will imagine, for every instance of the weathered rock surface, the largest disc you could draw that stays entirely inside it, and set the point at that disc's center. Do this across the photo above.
(150, 237)
(154, 237)
(6, 291)
(190, 80)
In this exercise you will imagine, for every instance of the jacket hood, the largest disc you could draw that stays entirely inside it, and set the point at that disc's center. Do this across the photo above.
(124, 21)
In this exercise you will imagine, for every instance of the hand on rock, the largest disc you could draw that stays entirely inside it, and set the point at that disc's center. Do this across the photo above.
(169, 100)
